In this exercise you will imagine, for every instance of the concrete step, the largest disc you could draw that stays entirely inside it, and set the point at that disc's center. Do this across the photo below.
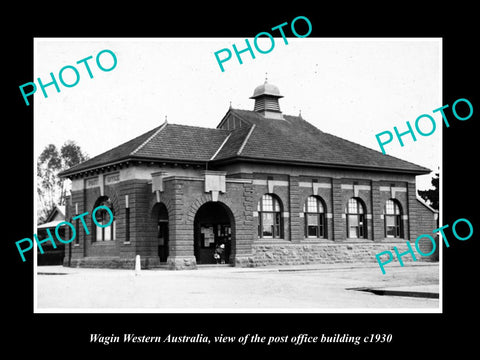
(210, 266)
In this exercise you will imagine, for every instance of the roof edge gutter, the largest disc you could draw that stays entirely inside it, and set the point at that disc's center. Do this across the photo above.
(66, 173)
(305, 163)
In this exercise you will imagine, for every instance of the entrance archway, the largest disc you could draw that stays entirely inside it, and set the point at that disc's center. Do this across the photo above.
(160, 216)
(213, 226)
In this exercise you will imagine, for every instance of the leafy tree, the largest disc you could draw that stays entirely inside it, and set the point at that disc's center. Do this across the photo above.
(432, 196)
(51, 189)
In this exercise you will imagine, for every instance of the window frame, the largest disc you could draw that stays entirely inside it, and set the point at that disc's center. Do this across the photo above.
(100, 232)
(320, 227)
(361, 228)
(397, 219)
(277, 219)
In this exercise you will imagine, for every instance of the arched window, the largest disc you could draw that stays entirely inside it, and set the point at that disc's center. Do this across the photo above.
(314, 213)
(393, 219)
(269, 217)
(102, 217)
(356, 227)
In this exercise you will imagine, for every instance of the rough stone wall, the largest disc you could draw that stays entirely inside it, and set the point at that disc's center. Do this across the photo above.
(301, 254)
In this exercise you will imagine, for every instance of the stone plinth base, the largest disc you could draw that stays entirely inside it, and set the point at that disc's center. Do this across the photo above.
(182, 262)
(327, 253)
(274, 253)
(244, 261)
(147, 262)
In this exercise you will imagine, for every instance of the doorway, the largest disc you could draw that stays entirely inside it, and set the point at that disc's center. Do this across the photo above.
(160, 215)
(212, 229)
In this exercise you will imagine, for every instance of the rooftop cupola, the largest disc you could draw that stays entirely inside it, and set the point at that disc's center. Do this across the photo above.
(266, 100)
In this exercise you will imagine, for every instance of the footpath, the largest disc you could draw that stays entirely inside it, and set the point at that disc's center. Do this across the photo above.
(416, 279)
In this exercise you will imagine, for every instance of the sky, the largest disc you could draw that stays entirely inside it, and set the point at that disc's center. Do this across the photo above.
(352, 88)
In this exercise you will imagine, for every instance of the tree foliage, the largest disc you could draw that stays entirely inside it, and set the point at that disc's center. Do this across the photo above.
(432, 196)
(51, 189)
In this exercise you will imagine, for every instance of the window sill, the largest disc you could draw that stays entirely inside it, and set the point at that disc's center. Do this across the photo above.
(355, 240)
(104, 243)
(391, 240)
(270, 241)
(316, 241)
(376, 241)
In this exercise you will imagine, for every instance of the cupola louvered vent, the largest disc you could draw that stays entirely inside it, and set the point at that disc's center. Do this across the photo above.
(266, 101)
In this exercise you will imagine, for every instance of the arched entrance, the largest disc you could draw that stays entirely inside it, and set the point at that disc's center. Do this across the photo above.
(160, 216)
(213, 226)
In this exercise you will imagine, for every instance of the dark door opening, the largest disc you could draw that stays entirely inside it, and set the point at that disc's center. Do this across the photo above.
(163, 240)
(160, 212)
(212, 229)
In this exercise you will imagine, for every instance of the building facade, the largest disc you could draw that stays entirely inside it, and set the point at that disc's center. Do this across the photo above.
(270, 187)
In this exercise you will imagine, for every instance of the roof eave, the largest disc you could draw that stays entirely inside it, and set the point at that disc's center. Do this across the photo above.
(318, 164)
(67, 173)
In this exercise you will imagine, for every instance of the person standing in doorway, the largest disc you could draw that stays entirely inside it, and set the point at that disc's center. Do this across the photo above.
(219, 254)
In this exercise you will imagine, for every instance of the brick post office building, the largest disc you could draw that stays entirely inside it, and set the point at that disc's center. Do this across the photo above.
(271, 187)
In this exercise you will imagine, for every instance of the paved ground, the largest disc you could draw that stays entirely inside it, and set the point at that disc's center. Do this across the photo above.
(315, 288)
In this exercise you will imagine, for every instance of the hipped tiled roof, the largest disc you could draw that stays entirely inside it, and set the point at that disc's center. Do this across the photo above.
(296, 140)
(168, 142)
(291, 140)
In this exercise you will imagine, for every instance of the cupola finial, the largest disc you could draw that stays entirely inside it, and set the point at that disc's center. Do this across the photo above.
(266, 100)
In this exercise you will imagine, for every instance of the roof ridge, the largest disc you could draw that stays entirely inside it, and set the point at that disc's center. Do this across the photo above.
(198, 127)
(246, 140)
(253, 111)
(149, 138)
(221, 146)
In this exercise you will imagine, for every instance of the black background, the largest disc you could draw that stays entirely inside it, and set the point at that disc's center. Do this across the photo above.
(62, 335)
